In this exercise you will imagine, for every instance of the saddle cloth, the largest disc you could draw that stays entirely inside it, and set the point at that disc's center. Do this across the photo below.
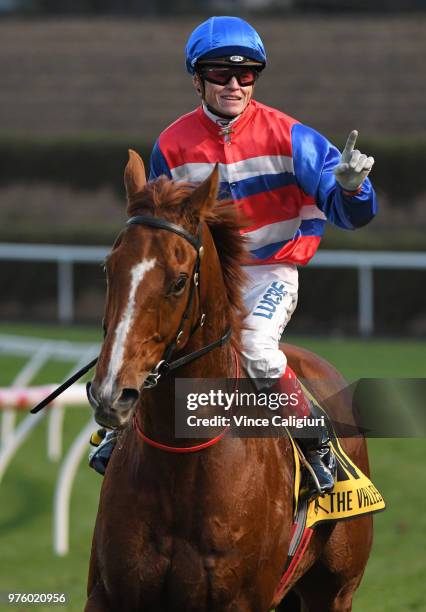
(353, 495)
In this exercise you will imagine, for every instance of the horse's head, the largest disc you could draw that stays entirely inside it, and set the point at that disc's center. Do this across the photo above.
(150, 286)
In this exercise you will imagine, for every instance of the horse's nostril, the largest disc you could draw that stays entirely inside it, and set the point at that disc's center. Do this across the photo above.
(128, 396)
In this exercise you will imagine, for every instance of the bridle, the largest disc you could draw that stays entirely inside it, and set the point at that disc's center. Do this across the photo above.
(164, 366)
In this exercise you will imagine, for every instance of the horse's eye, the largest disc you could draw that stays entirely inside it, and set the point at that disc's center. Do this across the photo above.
(178, 286)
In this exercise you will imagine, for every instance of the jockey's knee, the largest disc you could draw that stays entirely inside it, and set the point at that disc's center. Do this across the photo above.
(262, 359)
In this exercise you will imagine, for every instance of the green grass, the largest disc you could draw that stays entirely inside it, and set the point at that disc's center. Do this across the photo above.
(26, 520)
(395, 576)
(75, 333)
(394, 579)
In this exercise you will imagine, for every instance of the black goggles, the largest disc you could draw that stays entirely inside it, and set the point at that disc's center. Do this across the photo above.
(222, 75)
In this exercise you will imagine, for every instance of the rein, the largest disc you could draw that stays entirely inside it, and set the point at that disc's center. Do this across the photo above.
(164, 366)
(187, 449)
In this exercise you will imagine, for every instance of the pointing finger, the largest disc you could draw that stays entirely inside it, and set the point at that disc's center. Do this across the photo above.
(350, 144)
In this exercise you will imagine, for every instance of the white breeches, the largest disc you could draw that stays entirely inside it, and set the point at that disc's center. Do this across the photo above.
(270, 298)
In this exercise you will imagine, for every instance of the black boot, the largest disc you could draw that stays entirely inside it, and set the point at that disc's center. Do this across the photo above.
(320, 457)
(104, 442)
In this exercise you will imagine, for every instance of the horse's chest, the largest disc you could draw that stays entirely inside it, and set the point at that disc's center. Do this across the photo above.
(159, 550)
(169, 574)
(161, 565)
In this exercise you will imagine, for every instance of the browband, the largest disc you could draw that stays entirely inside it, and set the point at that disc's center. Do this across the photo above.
(167, 225)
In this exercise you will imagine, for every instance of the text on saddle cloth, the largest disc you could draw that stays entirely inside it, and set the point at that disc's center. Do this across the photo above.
(353, 495)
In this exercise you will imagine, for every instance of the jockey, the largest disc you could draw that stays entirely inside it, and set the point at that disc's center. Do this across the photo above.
(287, 181)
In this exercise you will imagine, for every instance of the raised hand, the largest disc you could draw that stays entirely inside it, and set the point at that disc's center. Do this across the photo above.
(354, 166)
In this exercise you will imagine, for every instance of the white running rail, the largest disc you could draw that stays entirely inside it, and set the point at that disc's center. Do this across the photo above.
(365, 262)
(19, 396)
(63, 490)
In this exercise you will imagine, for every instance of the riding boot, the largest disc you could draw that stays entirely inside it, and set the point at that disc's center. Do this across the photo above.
(320, 457)
(317, 449)
(104, 442)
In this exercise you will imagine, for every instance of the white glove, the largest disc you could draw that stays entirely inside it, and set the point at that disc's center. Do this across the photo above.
(354, 166)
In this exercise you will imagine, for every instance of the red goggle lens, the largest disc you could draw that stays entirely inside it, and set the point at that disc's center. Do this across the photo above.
(222, 76)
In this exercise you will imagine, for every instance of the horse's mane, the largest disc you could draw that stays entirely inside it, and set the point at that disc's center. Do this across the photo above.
(169, 199)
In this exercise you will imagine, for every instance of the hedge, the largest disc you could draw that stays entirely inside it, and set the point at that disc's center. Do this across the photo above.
(82, 162)
(91, 161)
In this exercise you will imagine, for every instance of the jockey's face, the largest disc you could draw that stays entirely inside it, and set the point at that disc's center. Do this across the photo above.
(230, 99)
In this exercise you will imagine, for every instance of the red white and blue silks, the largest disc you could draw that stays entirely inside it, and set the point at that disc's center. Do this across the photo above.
(278, 172)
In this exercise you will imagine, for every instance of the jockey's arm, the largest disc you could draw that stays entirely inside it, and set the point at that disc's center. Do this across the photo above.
(315, 162)
(158, 164)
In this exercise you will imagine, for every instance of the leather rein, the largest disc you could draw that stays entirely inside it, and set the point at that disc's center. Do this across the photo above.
(164, 366)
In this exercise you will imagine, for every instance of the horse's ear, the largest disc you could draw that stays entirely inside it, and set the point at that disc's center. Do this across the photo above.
(204, 196)
(134, 174)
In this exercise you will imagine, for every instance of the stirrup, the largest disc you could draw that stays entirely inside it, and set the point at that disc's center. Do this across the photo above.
(100, 455)
(322, 471)
(322, 464)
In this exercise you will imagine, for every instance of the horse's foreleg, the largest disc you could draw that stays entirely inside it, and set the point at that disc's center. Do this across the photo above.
(328, 599)
(329, 585)
(290, 603)
(97, 600)
(321, 590)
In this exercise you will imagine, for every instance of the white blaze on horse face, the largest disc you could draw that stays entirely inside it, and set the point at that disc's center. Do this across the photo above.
(122, 330)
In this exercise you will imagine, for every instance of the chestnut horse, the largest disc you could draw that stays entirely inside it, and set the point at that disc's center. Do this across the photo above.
(207, 530)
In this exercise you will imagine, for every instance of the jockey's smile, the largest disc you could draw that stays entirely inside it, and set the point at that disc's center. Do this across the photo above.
(230, 99)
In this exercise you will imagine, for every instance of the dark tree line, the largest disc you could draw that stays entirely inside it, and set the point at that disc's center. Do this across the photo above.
(120, 7)
(170, 7)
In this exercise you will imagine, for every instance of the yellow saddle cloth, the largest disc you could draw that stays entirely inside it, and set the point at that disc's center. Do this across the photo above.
(353, 495)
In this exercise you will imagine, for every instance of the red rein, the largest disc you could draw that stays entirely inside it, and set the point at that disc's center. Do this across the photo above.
(186, 449)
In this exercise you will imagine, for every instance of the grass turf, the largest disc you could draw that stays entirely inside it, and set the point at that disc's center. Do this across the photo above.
(394, 579)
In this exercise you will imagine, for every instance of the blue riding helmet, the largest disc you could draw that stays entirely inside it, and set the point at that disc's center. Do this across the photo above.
(224, 36)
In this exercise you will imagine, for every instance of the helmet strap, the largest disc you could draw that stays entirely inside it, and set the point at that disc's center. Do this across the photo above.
(203, 86)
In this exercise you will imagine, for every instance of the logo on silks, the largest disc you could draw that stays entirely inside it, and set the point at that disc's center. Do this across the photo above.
(268, 304)
(236, 58)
